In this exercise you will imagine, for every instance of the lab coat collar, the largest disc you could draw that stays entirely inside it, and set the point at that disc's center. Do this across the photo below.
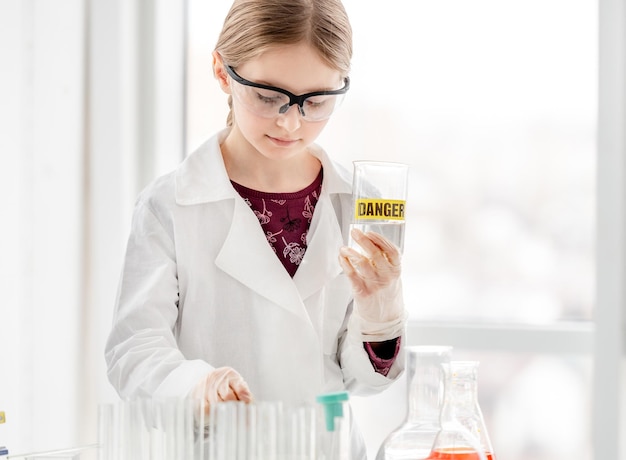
(245, 254)
(202, 176)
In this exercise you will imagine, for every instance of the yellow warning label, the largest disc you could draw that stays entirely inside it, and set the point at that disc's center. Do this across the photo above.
(2, 417)
(379, 209)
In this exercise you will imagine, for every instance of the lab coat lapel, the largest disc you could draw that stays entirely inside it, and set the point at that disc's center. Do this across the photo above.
(320, 263)
(247, 256)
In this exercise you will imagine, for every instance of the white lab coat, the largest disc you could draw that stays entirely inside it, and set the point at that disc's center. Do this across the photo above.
(201, 288)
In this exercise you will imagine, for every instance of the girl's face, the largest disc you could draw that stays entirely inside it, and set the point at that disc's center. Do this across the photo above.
(295, 68)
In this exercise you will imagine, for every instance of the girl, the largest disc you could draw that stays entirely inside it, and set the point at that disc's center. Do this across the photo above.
(237, 282)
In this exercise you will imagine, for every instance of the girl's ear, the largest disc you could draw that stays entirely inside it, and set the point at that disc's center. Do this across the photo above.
(220, 72)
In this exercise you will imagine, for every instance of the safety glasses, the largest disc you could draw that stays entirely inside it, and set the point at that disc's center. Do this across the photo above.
(270, 101)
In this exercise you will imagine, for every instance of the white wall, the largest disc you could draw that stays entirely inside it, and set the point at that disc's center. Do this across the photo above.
(42, 161)
(90, 110)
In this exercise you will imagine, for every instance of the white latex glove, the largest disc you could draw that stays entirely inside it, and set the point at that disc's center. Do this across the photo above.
(222, 384)
(377, 286)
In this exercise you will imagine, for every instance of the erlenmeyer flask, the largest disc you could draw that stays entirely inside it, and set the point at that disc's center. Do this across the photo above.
(463, 435)
(414, 438)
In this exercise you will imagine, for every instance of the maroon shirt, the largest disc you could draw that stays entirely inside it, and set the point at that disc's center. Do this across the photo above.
(285, 219)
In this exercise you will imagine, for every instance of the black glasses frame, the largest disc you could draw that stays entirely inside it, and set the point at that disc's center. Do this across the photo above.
(294, 99)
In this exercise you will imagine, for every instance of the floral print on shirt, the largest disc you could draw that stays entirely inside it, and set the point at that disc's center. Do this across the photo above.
(285, 219)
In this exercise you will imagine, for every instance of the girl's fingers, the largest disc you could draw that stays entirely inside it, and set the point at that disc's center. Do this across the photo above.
(351, 272)
(356, 263)
(241, 391)
(364, 241)
(378, 248)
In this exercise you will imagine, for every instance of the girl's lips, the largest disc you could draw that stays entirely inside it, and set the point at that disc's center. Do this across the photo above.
(282, 142)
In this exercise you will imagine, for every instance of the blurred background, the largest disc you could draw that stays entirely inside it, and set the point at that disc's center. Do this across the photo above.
(511, 115)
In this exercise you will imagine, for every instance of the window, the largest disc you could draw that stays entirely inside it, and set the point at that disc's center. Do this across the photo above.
(494, 106)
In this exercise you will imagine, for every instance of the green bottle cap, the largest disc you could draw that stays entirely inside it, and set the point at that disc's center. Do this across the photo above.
(333, 407)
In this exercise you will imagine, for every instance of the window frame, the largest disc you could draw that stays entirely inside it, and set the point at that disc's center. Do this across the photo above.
(609, 376)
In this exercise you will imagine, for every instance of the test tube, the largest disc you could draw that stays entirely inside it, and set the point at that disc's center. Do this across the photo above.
(334, 433)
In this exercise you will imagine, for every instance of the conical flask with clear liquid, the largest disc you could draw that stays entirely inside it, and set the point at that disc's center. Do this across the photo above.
(424, 376)
(463, 434)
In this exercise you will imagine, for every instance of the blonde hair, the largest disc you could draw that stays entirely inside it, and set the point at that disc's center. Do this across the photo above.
(253, 26)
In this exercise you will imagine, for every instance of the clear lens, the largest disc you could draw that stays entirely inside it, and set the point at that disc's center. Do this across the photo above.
(263, 102)
(269, 104)
(320, 107)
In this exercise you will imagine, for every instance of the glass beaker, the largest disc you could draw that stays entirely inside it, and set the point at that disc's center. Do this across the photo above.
(463, 434)
(424, 378)
(379, 191)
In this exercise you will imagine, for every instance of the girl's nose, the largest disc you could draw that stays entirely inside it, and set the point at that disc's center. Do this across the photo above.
(290, 120)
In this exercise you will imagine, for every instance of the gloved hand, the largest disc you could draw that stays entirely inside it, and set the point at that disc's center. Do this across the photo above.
(376, 283)
(222, 384)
